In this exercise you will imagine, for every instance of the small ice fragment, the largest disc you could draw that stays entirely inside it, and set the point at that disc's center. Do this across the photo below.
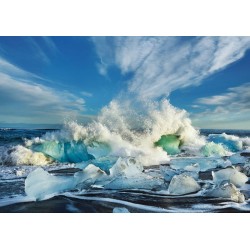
(237, 159)
(230, 174)
(183, 184)
(169, 173)
(20, 172)
(120, 210)
(227, 190)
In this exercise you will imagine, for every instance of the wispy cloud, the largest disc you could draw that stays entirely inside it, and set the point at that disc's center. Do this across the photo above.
(85, 93)
(24, 98)
(161, 65)
(233, 106)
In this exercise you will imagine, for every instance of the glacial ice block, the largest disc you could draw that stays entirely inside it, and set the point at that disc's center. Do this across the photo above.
(183, 184)
(230, 174)
(169, 173)
(40, 183)
(89, 176)
(231, 142)
(237, 159)
(227, 190)
(72, 152)
(213, 149)
(128, 167)
(169, 143)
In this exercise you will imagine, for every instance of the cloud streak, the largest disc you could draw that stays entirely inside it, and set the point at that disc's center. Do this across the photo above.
(232, 107)
(23, 98)
(160, 65)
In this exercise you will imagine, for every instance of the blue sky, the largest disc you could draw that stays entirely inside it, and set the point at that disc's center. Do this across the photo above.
(49, 80)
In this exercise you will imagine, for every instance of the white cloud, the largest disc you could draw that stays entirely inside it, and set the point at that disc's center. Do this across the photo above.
(23, 98)
(85, 93)
(231, 107)
(161, 65)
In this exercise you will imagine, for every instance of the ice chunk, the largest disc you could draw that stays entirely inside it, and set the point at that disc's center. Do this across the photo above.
(214, 149)
(120, 210)
(72, 152)
(231, 142)
(237, 159)
(169, 143)
(40, 183)
(227, 190)
(127, 167)
(142, 182)
(230, 174)
(168, 173)
(183, 184)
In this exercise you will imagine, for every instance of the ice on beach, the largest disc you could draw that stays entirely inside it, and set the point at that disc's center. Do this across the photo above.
(128, 167)
(227, 190)
(237, 159)
(169, 173)
(120, 210)
(40, 184)
(230, 174)
(183, 184)
(89, 176)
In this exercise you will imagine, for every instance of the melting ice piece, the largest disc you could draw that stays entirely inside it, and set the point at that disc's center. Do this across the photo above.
(88, 176)
(72, 152)
(40, 183)
(169, 173)
(231, 142)
(237, 159)
(230, 174)
(183, 184)
(214, 149)
(142, 182)
(227, 190)
(169, 143)
(127, 167)
(120, 210)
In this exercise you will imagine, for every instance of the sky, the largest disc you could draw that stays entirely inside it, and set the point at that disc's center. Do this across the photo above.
(45, 81)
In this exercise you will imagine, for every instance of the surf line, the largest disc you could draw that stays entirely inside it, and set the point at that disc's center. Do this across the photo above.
(126, 203)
